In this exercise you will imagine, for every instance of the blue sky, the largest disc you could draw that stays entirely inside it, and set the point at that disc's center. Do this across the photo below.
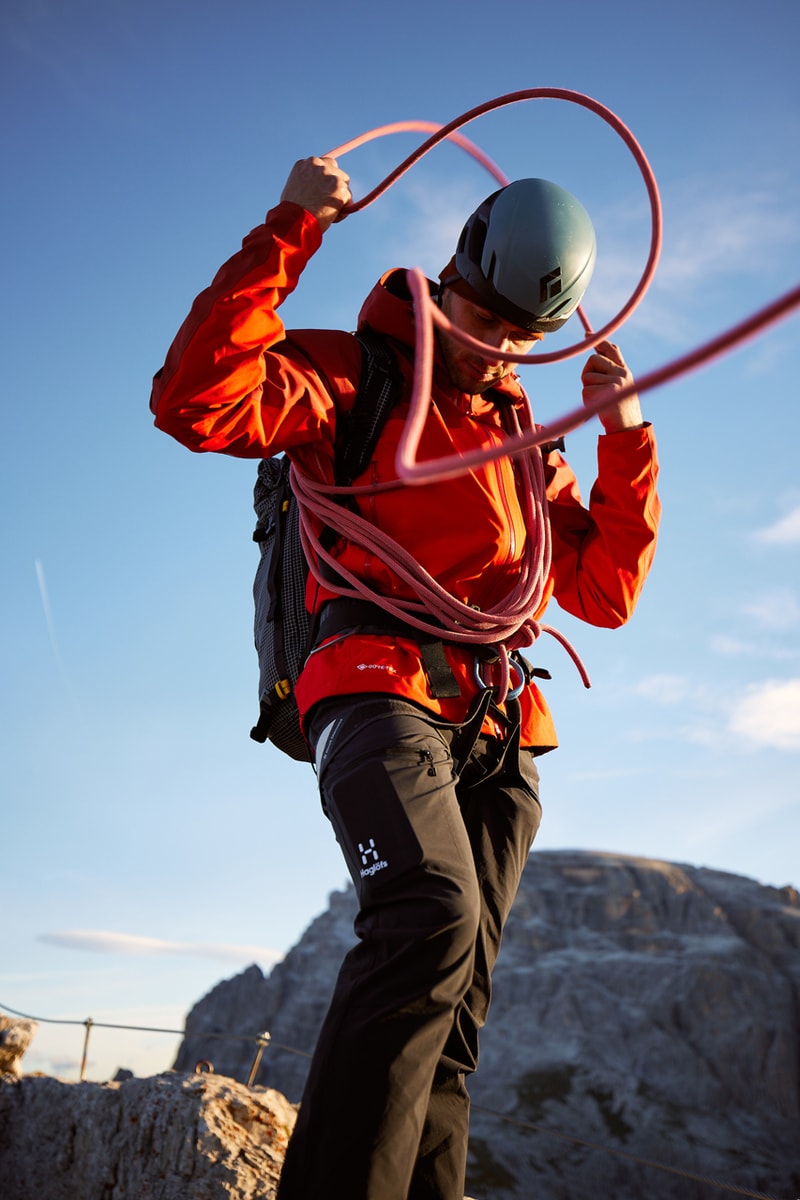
(149, 847)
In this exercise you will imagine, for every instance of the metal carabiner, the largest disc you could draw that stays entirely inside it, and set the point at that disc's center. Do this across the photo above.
(512, 692)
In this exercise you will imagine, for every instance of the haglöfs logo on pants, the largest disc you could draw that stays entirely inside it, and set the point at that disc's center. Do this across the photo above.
(371, 862)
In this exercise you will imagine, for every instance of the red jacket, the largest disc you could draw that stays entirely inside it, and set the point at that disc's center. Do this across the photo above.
(236, 382)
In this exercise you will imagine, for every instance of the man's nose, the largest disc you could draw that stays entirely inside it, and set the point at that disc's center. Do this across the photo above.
(500, 342)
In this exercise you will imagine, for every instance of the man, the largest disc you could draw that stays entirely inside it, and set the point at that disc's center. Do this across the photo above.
(428, 778)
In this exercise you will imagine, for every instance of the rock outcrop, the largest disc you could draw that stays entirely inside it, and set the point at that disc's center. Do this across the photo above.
(289, 1004)
(15, 1037)
(644, 1041)
(174, 1137)
(644, 1012)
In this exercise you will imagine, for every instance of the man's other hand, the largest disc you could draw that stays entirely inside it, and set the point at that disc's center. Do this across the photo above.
(320, 186)
(606, 369)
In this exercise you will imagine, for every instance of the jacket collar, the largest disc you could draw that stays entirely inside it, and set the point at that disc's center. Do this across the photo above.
(388, 309)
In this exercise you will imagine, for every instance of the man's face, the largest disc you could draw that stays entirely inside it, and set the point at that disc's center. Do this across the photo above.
(468, 370)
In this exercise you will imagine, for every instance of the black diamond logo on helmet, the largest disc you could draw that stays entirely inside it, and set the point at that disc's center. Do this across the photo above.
(550, 286)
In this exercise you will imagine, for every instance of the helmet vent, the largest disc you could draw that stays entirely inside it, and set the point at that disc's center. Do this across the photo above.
(553, 313)
(476, 239)
(550, 286)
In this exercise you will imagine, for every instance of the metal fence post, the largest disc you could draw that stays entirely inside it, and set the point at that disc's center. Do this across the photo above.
(262, 1041)
(88, 1023)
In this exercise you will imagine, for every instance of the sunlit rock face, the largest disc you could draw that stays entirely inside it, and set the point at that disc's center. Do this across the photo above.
(178, 1137)
(646, 1009)
(15, 1037)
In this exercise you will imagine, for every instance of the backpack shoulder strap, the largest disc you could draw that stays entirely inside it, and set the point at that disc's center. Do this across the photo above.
(284, 630)
(380, 388)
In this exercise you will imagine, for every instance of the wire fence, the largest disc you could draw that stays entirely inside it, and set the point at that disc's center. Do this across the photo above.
(260, 1040)
(263, 1039)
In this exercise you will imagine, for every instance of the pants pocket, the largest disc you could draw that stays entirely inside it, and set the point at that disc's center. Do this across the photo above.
(389, 794)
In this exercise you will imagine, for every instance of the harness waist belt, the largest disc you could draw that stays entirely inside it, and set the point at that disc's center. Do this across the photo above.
(338, 616)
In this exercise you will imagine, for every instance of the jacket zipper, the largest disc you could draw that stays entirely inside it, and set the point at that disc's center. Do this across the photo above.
(503, 494)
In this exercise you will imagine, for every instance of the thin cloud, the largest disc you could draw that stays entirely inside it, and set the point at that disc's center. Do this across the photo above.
(665, 689)
(426, 238)
(99, 941)
(768, 355)
(784, 532)
(48, 612)
(776, 610)
(762, 715)
(719, 231)
(716, 232)
(768, 715)
(51, 632)
(733, 647)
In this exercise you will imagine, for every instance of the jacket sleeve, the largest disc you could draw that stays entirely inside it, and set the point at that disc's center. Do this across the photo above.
(220, 388)
(602, 554)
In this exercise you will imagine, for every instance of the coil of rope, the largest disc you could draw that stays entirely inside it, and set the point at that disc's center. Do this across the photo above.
(510, 626)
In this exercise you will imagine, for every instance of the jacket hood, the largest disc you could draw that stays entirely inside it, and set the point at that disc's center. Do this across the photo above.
(388, 309)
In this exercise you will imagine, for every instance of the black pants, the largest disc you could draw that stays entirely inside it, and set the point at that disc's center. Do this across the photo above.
(435, 850)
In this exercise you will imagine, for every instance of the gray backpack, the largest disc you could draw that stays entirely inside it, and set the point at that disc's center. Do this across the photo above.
(284, 630)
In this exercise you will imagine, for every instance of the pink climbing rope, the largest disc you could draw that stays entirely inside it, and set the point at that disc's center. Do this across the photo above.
(450, 131)
(512, 624)
(426, 315)
(509, 626)
(413, 127)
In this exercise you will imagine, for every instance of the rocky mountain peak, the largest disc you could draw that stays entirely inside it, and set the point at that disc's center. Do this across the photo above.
(642, 1009)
